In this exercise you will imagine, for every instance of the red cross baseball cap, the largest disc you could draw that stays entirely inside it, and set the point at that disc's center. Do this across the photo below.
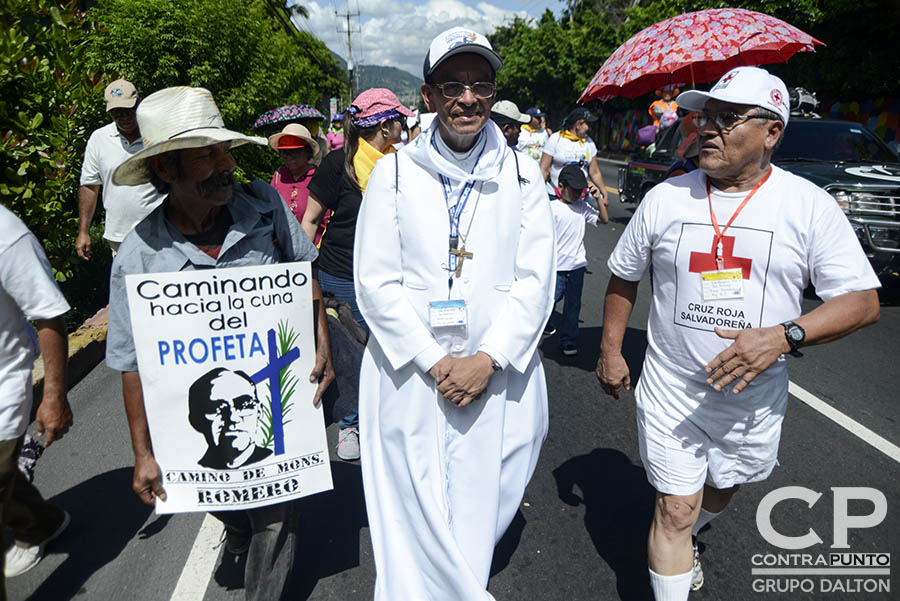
(743, 85)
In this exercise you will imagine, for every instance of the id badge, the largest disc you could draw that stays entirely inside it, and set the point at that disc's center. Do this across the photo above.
(447, 313)
(449, 321)
(725, 284)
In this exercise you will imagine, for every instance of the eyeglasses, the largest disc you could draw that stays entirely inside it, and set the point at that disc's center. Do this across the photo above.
(724, 121)
(455, 89)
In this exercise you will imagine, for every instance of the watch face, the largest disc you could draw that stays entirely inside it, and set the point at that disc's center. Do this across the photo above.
(795, 334)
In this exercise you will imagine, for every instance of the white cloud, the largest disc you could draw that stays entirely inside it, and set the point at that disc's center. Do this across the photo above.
(397, 33)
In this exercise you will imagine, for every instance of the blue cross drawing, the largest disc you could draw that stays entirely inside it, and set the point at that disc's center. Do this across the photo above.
(271, 373)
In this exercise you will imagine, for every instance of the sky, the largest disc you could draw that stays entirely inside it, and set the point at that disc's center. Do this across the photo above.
(397, 33)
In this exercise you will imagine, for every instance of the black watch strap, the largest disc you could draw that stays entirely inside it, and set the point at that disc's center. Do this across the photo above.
(795, 336)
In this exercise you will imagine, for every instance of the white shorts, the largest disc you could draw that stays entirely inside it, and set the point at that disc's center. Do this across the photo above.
(691, 435)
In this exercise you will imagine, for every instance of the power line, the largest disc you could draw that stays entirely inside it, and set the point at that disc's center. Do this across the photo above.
(294, 31)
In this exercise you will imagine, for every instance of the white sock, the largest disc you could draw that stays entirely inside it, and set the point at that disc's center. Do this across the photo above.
(703, 519)
(670, 588)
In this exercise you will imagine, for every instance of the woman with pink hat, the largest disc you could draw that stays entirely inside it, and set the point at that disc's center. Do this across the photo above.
(299, 152)
(372, 125)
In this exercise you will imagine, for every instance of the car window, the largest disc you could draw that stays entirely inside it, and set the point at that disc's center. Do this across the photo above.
(831, 141)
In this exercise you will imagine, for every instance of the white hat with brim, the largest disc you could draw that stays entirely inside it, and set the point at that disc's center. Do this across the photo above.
(508, 109)
(175, 119)
(298, 131)
(750, 86)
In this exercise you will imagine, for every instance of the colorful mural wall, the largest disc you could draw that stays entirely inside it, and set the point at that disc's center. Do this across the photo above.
(618, 131)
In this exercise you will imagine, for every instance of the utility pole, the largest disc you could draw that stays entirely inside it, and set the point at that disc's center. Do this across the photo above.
(573, 6)
(353, 70)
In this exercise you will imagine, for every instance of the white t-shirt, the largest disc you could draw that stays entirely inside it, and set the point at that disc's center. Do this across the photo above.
(27, 290)
(125, 206)
(532, 142)
(570, 220)
(565, 152)
(790, 233)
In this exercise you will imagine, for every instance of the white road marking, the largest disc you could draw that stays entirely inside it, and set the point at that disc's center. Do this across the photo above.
(200, 563)
(613, 161)
(849, 424)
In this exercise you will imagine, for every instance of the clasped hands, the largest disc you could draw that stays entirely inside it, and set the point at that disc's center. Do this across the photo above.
(464, 379)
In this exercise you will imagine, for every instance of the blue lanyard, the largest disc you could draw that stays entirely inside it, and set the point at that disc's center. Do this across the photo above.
(454, 212)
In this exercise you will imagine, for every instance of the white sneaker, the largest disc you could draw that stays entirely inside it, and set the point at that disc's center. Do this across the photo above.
(348, 444)
(21, 559)
(696, 571)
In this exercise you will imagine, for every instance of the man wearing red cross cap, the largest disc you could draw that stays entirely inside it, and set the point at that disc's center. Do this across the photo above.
(733, 246)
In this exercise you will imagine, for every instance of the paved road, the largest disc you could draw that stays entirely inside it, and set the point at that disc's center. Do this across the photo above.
(581, 529)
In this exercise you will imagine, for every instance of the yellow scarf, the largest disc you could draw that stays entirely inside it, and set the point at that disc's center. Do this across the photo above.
(527, 128)
(568, 135)
(364, 161)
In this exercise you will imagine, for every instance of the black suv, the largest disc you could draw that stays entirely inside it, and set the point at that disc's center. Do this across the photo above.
(844, 158)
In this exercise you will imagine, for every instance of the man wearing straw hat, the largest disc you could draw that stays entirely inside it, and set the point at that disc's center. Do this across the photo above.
(206, 221)
(733, 244)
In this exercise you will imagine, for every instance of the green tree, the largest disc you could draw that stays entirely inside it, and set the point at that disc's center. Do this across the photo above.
(50, 102)
(242, 51)
(540, 65)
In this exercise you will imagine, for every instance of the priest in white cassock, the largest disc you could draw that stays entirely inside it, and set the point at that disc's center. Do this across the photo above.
(454, 270)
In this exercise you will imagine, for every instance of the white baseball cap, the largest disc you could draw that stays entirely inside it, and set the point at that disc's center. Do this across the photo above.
(458, 40)
(508, 109)
(743, 85)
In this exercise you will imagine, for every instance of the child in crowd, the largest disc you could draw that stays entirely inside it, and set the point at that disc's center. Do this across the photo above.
(570, 212)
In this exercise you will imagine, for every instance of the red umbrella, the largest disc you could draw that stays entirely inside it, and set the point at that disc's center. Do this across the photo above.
(695, 47)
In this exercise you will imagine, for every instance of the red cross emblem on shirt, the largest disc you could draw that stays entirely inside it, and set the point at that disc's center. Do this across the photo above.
(707, 261)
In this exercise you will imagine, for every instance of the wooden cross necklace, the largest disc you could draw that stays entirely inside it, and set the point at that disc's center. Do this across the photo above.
(462, 254)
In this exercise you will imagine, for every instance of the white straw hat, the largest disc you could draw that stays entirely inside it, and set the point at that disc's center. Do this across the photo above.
(172, 119)
(294, 132)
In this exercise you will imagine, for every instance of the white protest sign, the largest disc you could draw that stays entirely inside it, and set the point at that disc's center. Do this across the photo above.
(224, 357)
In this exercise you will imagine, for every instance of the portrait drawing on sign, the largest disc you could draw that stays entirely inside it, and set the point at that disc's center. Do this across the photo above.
(224, 408)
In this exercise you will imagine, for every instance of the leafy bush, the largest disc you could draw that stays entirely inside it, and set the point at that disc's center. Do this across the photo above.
(237, 49)
(50, 101)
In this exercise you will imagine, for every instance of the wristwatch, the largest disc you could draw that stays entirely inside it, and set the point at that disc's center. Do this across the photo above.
(795, 336)
(495, 365)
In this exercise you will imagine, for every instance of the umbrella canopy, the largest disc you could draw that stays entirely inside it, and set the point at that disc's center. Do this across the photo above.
(291, 113)
(695, 47)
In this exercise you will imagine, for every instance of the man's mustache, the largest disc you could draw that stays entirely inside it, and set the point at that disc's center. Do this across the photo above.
(226, 178)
